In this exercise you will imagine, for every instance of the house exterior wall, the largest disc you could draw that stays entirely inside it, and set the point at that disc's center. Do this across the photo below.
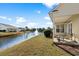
(75, 25)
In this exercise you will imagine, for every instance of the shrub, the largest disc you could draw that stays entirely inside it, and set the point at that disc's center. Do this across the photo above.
(2, 30)
(48, 33)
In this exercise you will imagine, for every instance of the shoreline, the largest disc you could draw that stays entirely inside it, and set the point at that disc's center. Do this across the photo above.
(7, 34)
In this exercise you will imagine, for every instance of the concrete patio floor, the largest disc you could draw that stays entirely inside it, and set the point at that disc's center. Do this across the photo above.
(69, 46)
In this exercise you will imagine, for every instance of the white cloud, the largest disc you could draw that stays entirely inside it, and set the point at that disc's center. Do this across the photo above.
(32, 25)
(47, 18)
(38, 11)
(49, 24)
(9, 19)
(20, 20)
(49, 4)
(5, 18)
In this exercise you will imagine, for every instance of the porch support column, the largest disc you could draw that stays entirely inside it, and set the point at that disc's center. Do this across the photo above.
(53, 23)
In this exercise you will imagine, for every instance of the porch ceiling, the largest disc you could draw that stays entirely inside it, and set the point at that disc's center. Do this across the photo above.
(64, 11)
(61, 18)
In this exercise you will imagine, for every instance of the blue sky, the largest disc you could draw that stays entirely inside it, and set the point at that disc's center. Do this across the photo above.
(26, 14)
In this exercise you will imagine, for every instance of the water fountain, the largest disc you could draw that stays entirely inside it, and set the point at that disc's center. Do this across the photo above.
(36, 32)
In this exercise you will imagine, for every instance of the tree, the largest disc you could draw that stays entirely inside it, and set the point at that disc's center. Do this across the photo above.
(33, 29)
(49, 28)
(27, 29)
(2, 30)
(41, 29)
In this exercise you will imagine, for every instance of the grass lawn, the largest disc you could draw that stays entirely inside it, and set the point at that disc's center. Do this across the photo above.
(39, 46)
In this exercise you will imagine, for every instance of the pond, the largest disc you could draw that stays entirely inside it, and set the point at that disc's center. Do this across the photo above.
(7, 42)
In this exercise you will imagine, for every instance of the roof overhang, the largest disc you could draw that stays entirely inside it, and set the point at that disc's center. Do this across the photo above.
(64, 11)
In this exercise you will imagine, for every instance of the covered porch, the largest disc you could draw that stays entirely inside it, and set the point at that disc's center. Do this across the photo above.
(65, 18)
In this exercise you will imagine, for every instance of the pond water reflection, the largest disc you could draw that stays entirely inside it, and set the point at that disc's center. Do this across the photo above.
(10, 41)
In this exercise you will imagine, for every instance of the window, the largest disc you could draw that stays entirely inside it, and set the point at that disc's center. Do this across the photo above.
(70, 28)
(57, 28)
(60, 28)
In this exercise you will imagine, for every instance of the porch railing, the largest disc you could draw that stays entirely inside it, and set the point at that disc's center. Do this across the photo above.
(62, 37)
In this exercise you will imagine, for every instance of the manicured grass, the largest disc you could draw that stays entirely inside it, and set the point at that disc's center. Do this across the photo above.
(38, 46)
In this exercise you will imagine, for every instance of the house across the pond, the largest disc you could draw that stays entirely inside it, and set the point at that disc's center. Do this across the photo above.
(7, 28)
